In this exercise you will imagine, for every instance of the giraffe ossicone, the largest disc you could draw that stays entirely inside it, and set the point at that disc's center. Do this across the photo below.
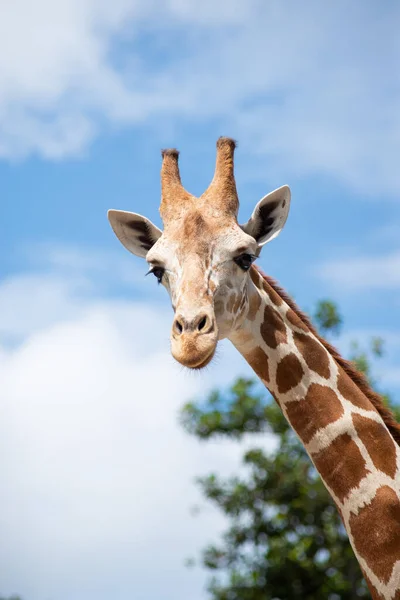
(204, 258)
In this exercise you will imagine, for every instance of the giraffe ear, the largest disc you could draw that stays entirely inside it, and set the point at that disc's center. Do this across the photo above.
(269, 216)
(135, 232)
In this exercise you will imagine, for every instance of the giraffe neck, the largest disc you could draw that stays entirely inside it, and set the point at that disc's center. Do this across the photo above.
(340, 428)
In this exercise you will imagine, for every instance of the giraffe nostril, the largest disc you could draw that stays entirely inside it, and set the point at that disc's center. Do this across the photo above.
(202, 323)
(178, 326)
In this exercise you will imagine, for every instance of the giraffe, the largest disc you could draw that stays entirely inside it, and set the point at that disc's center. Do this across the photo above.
(205, 260)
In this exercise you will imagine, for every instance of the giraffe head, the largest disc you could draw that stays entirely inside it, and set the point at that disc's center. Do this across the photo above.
(203, 256)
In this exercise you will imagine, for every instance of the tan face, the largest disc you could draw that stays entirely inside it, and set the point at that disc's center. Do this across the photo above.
(204, 268)
(203, 256)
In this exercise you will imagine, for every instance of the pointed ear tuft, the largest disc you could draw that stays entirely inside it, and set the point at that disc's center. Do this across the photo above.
(135, 232)
(269, 216)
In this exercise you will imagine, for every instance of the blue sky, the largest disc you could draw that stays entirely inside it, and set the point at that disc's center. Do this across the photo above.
(89, 93)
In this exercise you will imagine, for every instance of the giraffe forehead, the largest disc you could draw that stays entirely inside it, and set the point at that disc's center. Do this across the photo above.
(205, 236)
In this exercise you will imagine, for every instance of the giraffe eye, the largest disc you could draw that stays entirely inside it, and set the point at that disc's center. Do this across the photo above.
(244, 261)
(158, 273)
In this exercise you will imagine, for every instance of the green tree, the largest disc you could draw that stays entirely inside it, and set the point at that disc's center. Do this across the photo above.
(285, 539)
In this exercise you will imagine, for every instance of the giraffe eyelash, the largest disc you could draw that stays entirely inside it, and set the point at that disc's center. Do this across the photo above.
(158, 273)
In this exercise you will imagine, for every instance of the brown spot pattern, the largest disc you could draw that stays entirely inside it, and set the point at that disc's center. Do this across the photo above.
(319, 408)
(315, 355)
(273, 329)
(254, 305)
(258, 360)
(288, 373)
(376, 532)
(341, 465)
(351, 392)
(273, 296)
(256, 278)
(378, 443)
(295, 320)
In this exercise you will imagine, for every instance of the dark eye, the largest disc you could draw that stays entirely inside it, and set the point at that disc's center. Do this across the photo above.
(244, 261)
(158, 273)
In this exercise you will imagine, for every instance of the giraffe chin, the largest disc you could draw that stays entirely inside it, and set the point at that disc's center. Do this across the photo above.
(197, 361)
(203, 364)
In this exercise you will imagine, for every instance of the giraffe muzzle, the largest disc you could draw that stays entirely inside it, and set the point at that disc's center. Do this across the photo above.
(194, 339)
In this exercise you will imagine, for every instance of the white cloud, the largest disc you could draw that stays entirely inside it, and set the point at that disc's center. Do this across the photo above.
(96, 475)
(59, 285)
(362, 273)
(300, 84)
(30, 302)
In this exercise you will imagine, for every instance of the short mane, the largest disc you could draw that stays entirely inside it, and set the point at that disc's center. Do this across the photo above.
(356, 376)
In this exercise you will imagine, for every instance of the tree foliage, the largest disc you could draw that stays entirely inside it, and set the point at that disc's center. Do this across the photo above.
(285, 539)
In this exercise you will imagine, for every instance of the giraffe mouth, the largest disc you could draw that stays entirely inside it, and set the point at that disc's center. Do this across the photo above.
(194, 361)
(203, 363)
